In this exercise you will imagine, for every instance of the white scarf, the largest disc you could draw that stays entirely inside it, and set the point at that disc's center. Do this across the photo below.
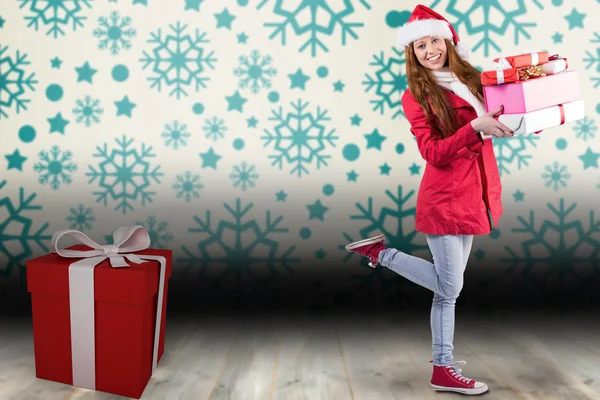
(448, 80)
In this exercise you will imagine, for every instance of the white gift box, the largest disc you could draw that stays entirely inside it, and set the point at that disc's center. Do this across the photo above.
(545, 118)
(554, 66)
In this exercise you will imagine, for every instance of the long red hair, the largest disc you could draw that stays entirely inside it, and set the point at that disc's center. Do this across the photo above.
(431, 96)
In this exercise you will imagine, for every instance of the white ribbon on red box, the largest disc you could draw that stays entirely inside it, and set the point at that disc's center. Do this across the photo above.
(127, 240)
(535, 57)
(499, 67)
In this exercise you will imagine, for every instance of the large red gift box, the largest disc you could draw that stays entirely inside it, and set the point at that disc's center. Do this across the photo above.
(125, 306)
(525, 59)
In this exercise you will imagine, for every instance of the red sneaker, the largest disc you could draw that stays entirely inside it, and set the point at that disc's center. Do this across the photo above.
(369, 248)
(449, 379)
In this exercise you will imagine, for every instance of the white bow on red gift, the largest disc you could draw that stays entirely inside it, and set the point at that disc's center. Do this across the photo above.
(127, 240)
(499, 66)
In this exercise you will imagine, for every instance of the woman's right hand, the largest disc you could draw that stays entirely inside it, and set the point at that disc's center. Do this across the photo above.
(489, 125)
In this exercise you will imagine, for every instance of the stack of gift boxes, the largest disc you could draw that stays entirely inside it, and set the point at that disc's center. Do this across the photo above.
(537, 91)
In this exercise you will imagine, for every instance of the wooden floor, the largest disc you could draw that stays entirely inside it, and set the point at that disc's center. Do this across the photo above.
(370, 357)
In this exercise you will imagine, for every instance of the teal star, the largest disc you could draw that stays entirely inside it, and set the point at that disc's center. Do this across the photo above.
(15, 160)
(317, 210)
(2, 21)
(374, 139)
(235, 102)
(338, 86)
(557, 38)
(210, 158)
(55, 63)
(479, 254)
(85, 72)
(124, 107)
(352, 175)
(224, 19)
(320, 254)
(193, 4)
(242, 38)
(519, 196)
(414, 169)
(57, 124)
(355, 120)
(281, 196)
(385, 169)
(590, 159)
(575, 19)
(298, 79)
(142, 2)
(252, 122)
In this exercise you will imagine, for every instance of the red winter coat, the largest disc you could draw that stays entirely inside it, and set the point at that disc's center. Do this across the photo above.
(461, 181)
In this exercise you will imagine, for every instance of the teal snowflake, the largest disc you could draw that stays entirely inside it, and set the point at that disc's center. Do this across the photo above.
(80, 218)
(214, 128)
(178, 60)
(188, 186)
(315, 19)
(176, 134)
(55, 167)
(594, 60)
(16, 233)
(389, 82)
(114, 31)
(88, 111)
(392, 222)
(124, 174)
(244, 175)
(562, 256)
(56, 13)
(255, 71)
(512, 150)
(134, 2)
(585, 129)
(556, 176)
(237, 257)
(13, 81)
(484, 18)
(300, 137)
(160, 237)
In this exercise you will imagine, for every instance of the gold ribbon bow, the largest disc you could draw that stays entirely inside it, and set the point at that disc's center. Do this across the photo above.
(530, 72)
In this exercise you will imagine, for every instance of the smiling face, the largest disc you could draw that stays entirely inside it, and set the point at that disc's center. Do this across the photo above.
(431, 51)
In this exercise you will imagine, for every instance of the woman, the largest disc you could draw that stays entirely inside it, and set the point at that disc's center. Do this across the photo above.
(444, 106)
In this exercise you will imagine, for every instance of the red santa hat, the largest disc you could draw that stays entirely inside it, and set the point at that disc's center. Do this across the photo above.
(425, 22)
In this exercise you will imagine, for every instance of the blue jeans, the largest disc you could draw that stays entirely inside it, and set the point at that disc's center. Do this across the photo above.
(444, 277)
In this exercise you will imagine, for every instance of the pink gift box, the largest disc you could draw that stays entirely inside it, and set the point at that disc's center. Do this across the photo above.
(533, 94)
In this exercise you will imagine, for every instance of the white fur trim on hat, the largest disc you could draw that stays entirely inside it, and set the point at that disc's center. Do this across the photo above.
(419, 29)
(463, 51)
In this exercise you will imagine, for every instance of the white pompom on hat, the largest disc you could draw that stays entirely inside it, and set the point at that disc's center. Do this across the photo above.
(425, 22)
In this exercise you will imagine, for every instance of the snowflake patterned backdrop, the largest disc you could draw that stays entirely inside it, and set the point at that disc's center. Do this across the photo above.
(256, 138)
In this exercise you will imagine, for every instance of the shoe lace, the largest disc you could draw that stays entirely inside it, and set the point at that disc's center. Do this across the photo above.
(456, 372)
